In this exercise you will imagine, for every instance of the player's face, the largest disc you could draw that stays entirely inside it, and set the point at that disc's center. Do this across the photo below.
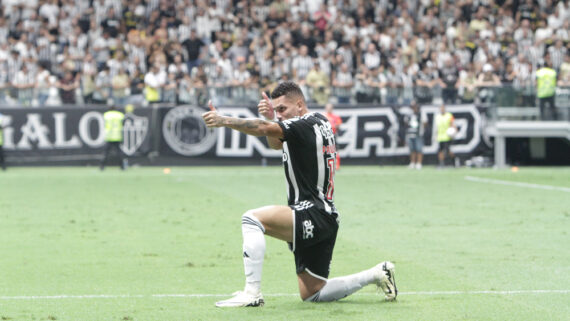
(287, 108)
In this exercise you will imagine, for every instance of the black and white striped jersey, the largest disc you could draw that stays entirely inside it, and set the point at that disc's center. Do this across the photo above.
(309, 160)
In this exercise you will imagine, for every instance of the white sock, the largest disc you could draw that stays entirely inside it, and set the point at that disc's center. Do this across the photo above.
(341, 287)
(253, 251)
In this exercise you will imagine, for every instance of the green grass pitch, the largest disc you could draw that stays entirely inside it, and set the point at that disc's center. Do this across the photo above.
(80, 244)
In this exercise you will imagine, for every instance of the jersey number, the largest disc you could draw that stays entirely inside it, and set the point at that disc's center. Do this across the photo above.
(331, 164)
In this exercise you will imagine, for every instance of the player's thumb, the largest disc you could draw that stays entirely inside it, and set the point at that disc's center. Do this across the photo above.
(212, 108)
(266, 98)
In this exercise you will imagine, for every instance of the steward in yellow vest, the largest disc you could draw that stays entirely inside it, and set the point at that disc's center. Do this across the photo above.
(545, 91)
(114, 136)
(445, 130)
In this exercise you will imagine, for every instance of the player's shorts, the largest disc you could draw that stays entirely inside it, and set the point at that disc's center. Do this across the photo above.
(415, 143)
(313, 240)
(444, 146)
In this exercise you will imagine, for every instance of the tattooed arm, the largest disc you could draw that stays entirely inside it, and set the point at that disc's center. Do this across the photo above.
(249, 126)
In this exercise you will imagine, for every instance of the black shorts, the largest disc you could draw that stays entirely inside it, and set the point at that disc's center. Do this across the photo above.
(313, 240)
(444, 146)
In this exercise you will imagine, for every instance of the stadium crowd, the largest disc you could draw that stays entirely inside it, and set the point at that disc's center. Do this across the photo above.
(140, 52)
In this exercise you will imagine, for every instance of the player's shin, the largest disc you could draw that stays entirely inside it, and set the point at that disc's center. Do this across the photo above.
(253, 251)
(341, 287)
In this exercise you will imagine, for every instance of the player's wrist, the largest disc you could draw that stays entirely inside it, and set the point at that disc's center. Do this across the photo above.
(274, 118)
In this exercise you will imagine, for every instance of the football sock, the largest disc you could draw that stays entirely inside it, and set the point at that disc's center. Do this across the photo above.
(253, 251)
(338, 288)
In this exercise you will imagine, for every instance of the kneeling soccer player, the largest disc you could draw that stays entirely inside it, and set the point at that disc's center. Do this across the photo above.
(310, 223)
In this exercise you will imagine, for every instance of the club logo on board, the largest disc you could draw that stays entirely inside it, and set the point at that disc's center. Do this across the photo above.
(186, 133)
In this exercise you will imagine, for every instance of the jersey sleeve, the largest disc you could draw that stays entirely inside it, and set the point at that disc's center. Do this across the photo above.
(294, 129)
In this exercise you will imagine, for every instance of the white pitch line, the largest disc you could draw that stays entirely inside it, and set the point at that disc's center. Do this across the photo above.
(519, 184)
(142, 296)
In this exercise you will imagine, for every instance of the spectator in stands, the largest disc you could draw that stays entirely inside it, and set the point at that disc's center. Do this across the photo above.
(449, 76)
(24, 82)
(241, 80)
(238, 52)
(193, 46)
(526, 11)
(487, 81)
(425, 81)
(564, 75)
(4, 87)
(219, 83)
(322, 18)
(102, 91)
(371, 57)
(343, 83)
(199, 82)
(136, 97)
(377, 82)
(394, 84)
(524, 81)
(170, 89)
(301, 65)
(557, 54)
(154, 81)
(268, 37)
(319, 83)
(120, 84)
(178, 68)
(67, 86)
(42, 84)
(364, 92)
(185, 90)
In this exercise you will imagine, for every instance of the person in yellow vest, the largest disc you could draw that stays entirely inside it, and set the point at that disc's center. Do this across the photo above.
(545, 91)
(445, 132)
(2, 161)
(114, 135)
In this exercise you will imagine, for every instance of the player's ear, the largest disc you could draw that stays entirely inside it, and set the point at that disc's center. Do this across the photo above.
(299, 105)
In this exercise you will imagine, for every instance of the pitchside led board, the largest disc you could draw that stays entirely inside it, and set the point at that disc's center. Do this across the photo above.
(178, 136)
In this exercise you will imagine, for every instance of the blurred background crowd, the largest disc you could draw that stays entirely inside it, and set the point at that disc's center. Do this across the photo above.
(55, 52)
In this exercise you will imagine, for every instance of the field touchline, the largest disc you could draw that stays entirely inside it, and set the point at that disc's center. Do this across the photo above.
(518, 184)
(209, 295)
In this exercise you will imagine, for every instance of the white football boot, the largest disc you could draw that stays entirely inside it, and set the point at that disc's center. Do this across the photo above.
(387, 280)
(242, 299)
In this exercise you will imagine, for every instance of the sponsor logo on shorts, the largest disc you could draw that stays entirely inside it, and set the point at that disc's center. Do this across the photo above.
(303, 205)
(308, 228)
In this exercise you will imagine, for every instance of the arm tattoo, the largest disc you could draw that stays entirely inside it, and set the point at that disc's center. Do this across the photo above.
(239, 123)
(249, 126)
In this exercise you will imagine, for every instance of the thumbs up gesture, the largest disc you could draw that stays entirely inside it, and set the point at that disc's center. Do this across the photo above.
(211, 118)
(265, 107)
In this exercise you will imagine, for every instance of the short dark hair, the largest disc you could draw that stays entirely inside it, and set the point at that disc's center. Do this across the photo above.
(288, 89)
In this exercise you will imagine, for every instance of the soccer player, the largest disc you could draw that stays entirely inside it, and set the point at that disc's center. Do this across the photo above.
(309, 223)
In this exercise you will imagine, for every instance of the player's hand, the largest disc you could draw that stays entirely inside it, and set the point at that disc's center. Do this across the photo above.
(265, 107)
(212, 118)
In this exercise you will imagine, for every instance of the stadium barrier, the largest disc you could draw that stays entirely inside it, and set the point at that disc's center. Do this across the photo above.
(176, 135)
